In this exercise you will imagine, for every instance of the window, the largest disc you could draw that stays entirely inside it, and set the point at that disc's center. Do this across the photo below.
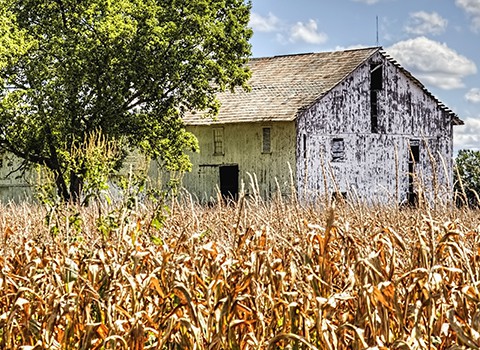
(376, 76)
(339, 196)
(266, 140)
(376, 84)
(338, 150)
(218, 142)
(414, 156)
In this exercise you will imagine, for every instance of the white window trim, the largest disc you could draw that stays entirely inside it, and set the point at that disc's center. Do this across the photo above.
(220, 151)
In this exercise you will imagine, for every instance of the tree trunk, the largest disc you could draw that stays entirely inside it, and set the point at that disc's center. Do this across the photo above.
(56, 168)
(76, 183)
(61, 185)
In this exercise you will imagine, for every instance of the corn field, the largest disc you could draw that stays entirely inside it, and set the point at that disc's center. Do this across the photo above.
(246, 275)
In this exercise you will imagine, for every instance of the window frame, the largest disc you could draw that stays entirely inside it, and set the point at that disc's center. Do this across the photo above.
(376, 76)
(338, 156)
(218, 141)
(264, 149)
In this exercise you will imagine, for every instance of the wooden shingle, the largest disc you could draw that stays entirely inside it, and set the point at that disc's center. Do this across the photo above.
(282, 86)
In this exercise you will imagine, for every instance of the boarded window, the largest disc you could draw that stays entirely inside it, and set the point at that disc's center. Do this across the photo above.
(266, 140)
(218, 141)
(338, 150)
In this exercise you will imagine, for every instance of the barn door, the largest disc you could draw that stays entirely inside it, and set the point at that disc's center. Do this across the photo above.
(229, 181)
(413, 159)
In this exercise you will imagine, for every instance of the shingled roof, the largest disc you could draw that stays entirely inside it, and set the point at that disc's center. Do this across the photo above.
(283, 86)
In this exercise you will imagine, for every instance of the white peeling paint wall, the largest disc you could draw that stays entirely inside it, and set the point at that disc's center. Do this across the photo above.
(375, 167)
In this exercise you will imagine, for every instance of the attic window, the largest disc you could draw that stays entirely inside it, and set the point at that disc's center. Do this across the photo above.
(338, 150)
(266, 140)
(376, 76)
(218, 142)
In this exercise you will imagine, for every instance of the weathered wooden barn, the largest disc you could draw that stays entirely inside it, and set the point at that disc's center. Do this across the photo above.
(352, 123)
(349, 123)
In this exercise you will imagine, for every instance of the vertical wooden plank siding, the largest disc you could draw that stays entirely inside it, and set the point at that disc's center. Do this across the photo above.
(375, 165)
(243, 145)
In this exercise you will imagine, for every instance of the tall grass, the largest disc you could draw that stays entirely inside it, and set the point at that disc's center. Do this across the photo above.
(246, 275)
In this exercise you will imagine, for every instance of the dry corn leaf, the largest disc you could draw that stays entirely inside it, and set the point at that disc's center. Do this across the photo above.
(8, 232)
(156, 285)
(459, 329)
(102, 331)
(471, 292)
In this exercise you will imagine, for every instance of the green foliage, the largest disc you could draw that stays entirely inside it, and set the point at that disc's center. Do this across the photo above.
(467, 176)
(127, 68)
(95, 159)
(135, 192)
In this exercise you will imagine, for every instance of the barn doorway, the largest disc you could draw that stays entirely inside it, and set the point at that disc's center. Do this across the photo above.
(413, 159)
(229, 181)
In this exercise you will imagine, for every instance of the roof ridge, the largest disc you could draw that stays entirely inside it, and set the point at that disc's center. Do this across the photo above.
(422, 86)
(317, 53)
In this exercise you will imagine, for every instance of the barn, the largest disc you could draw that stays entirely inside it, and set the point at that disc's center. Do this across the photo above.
(350, 123)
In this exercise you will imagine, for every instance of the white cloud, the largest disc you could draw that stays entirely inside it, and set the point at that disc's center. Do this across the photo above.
(473, 95)
(287, 33)
(432, 62)
(270, 23)
(368, 2)
(467, 136)
(422, 23)
(307, 32)
(472, 8)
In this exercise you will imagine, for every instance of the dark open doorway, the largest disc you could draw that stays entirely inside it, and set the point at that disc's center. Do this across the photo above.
(413, 159)
(229, 181)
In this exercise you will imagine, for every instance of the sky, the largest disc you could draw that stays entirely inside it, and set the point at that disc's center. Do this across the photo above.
(438, 41)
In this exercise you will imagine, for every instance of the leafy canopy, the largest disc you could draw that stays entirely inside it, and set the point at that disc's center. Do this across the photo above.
(128, 69)
(467, 176)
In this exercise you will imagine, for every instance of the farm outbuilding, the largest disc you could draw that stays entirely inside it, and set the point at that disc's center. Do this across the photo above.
(348, 123)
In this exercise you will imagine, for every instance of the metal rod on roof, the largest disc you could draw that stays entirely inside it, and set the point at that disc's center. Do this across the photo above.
(377, 31)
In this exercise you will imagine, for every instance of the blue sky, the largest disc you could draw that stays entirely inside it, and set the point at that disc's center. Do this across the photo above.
(438, 41)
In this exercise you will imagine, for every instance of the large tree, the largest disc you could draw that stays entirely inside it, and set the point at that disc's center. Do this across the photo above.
(126, 68)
